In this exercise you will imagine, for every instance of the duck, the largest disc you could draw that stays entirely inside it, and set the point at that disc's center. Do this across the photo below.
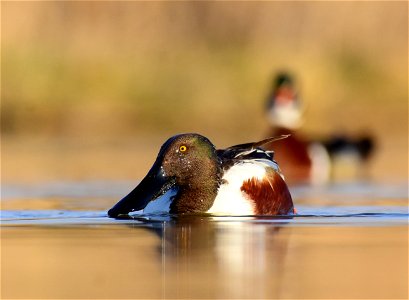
(284, 111)
(305, 159)
(191, 176)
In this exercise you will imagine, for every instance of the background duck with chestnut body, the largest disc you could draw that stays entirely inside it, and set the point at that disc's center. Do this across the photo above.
(311, 160)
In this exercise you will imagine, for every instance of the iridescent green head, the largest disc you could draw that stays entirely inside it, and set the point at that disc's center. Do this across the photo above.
(187, 163)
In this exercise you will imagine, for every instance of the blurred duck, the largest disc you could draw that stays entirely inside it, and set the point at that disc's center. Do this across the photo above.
(305, 160)
(191, 176)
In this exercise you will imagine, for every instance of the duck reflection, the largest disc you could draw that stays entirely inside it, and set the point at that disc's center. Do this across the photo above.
(238, 257)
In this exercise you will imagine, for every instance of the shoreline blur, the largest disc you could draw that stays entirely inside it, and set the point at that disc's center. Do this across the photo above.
(91, 90)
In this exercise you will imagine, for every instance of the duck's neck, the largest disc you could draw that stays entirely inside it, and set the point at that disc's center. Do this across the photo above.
(198, 192)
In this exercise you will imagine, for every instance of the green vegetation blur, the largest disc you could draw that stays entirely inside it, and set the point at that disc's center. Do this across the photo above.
(126, 69)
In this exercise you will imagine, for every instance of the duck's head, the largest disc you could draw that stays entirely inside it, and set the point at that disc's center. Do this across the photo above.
(284, 105)
(187, 163)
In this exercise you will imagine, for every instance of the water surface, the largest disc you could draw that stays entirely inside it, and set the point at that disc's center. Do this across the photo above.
(348, 241)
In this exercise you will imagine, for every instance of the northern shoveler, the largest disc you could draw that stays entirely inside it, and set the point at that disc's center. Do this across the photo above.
(306, 160)
(191, 176)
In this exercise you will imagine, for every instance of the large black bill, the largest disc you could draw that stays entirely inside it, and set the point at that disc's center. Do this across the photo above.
(151, 187)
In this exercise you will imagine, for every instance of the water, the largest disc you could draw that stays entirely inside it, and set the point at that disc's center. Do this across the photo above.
(348, 241)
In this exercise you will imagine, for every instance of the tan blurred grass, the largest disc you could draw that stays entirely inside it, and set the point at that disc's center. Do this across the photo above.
(129, 70)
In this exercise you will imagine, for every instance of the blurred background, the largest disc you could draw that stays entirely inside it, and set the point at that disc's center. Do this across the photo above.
(90, 90)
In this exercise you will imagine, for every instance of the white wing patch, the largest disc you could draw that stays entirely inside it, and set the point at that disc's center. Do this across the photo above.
(230, 199)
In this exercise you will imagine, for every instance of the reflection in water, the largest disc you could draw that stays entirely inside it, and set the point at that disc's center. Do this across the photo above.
(334, 248)
(203, 257)
(232, 259)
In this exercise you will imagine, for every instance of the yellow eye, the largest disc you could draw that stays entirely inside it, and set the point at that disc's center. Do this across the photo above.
(182, 148)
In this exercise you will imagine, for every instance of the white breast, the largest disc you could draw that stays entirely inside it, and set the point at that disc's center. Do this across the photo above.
(161, 204)
(230, 199)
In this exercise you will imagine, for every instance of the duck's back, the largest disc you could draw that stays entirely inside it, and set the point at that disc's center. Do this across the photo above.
(252, 183)
(252, 188)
